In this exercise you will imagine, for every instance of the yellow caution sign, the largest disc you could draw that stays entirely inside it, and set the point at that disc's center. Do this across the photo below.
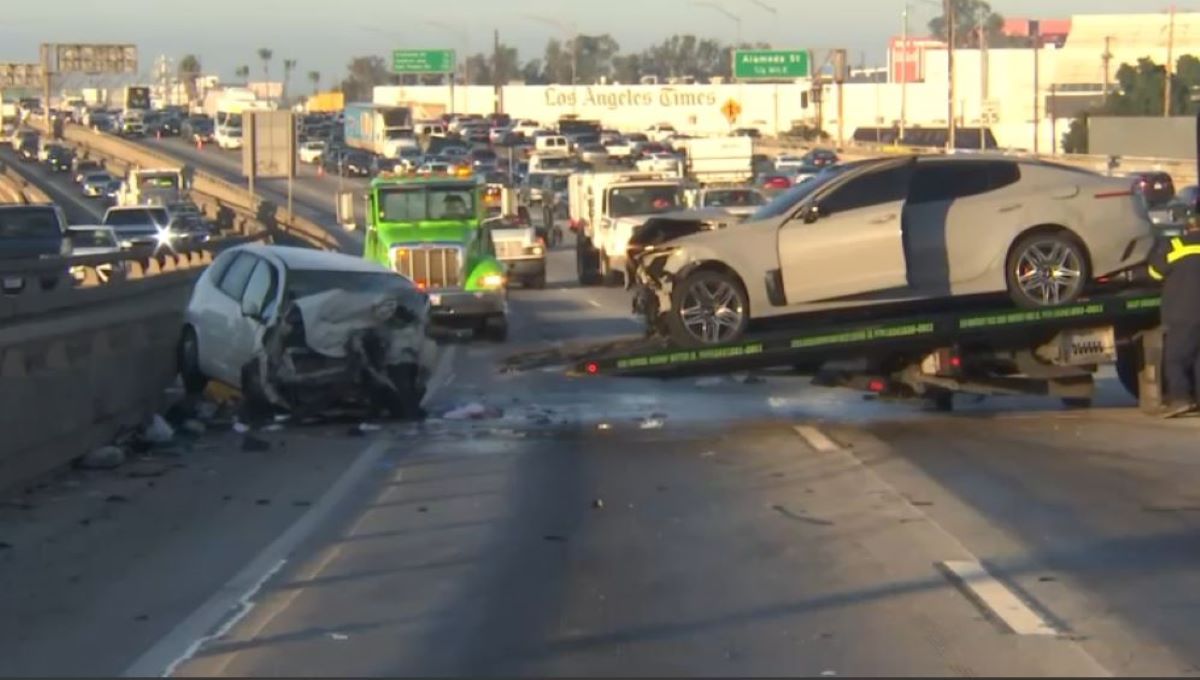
(731, 109)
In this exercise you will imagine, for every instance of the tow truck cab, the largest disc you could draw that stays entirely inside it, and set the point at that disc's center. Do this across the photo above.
(429, 228)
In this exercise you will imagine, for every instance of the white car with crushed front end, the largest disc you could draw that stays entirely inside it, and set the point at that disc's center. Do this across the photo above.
(302, 330)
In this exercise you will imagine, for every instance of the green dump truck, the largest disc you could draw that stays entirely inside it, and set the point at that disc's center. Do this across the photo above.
(429, 228)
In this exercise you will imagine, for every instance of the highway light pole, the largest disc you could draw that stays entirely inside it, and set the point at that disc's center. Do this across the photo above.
(465, 40)
(948, 12)
(767, 8)
(737, 20)
(572, 34)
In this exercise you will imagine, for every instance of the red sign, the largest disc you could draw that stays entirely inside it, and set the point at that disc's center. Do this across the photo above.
(908, 61)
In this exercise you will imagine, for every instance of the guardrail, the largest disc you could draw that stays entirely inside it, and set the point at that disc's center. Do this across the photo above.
(17, 189)
(206, 187)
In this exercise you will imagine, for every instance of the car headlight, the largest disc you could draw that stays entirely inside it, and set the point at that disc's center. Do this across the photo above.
(534, 250)
(492, 281)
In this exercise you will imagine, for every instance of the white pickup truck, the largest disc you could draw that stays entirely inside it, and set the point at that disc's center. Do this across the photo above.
(606, 207)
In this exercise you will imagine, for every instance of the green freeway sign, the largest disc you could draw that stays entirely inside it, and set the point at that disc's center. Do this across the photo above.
(770, 64)
(423, 61)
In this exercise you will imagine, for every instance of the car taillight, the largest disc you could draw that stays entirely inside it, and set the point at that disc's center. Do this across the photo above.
(778, 183)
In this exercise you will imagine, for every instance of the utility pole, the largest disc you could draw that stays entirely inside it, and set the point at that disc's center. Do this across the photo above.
(951, 123)
(1035, 32)
(497, 81)
(1107, 59)
(1170, 63)
(983, 83)
(904, 76)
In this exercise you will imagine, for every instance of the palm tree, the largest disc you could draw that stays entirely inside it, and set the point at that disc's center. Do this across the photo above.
(289, 65)
(243, 72)
(189, 72)
(315, 78)
(265, 55)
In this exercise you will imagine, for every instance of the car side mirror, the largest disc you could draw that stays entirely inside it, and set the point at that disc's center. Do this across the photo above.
(812, 213)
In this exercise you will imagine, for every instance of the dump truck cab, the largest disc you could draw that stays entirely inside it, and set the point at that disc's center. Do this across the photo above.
(429, 227)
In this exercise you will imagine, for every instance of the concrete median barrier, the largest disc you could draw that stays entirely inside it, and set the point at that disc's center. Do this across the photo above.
(69, 382)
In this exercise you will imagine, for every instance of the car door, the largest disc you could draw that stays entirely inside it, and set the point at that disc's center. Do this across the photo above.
(957, 220)
(222, 319)
(848, 241)
(256, 308)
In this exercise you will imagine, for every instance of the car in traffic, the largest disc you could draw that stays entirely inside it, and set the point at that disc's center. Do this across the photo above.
(31, 232)
(197, 129)
(595, 153)
(310, 151)
(139, 226)
(820, 158)
(82, 167)
(348, 162)
(921, 228)
(303, 331)
(95, 184)
(483, 159)
(132, 129)
(660, 162)
(94, 239)
(739, 201)
(59, 158)
(1158, 190)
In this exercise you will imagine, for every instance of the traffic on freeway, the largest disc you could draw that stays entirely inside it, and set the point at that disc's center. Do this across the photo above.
(612, 363)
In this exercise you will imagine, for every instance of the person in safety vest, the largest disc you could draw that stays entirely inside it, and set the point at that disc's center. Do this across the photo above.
(1176, 262)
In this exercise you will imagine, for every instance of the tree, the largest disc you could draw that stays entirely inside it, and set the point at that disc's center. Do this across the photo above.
(243, 72)
(314, 77)
(481, 71)
(532, 72)
(594, 56)
(364, 73)
(265, 55)
(558, 64)
(189, 72)
(969, 16)
(505, 64)
(289, 65)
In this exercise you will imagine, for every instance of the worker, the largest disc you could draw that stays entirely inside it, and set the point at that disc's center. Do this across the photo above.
(1176, 262)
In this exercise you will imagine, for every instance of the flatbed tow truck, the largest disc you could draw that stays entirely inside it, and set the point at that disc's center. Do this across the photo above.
(989, 348)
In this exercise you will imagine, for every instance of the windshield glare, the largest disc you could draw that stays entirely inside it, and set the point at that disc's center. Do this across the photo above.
(417, 204)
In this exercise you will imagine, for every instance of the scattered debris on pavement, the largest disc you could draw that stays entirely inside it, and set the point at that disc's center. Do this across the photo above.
(158, 431)
(598, 504)
(339, 636)
(193, 427)
(651, 423)
(102, 458)
(472, 411)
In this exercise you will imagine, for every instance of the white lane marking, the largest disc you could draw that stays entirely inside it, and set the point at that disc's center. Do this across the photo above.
(235, 599)
(595, 304)
(817, 439)
(980, 585)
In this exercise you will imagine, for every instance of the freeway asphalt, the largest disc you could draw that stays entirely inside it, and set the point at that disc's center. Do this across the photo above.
(591, 526)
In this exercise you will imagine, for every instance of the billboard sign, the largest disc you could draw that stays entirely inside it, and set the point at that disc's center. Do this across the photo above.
(268, 144)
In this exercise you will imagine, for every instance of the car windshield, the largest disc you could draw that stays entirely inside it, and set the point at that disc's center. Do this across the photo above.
(646, 200)
(23, 223)
(92, 238)
(787, 200)
(98, 178)
(305, 282)
(559, 182)
(422, 203)
(727, 198)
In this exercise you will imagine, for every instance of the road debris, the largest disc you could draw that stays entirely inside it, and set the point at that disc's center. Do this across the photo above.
(240, 427)
(472, 411)
(339, 636)
(801, 517)
(369, 427)
(651, 423)
(254, 444)
(273, 427)
(102, 458)
(158, 431)
(193, 427)
(598, 504)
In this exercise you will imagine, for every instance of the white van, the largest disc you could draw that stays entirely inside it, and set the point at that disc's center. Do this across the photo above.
(552, 145)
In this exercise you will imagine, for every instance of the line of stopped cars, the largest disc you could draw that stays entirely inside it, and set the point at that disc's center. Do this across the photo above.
(890, 232)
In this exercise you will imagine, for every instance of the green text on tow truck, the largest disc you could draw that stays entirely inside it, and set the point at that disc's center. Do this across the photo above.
(428, 228)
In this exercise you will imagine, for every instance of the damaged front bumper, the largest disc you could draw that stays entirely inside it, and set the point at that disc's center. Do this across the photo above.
(345, 348)
(651, 286)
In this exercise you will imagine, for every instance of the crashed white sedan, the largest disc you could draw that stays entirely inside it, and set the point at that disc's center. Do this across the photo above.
(304, 330)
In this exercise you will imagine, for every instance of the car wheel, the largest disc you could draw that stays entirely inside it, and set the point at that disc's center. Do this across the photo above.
(708, 308)
(585, 261)
(1047, 269)
(194, 381)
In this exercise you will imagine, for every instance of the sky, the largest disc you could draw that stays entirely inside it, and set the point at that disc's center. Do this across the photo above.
(323, 35)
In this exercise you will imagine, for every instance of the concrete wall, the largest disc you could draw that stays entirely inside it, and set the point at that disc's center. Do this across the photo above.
(1153, 137)
(68, 382)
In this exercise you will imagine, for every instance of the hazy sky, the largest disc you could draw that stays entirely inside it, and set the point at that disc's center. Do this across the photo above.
(323, 34)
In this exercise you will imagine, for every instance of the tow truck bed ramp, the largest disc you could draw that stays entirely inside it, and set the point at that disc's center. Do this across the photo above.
(998, 327)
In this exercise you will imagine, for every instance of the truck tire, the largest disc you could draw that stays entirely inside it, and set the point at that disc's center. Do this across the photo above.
(1129, 366)
(608, 276)
(586, 264)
